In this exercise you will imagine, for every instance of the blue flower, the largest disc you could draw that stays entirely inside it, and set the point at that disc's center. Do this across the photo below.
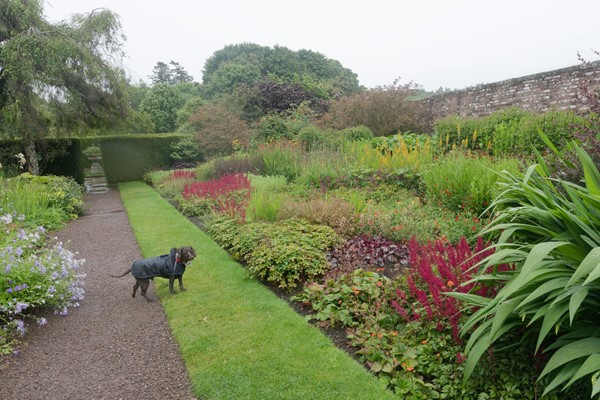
(21, 306)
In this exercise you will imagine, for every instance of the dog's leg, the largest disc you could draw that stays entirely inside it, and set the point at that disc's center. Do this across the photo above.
(135, 288)
(171, 281)
(144, 286)
(180, 279)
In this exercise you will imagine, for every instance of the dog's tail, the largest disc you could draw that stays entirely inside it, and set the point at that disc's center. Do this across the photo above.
(119, 276)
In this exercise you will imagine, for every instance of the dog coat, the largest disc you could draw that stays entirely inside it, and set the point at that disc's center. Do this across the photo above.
(164, 266)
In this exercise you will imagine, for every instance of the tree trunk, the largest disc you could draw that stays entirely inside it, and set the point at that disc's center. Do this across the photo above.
(31, 124)
(31, 155)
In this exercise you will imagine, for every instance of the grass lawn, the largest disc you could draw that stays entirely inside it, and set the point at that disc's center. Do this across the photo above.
(239, 340)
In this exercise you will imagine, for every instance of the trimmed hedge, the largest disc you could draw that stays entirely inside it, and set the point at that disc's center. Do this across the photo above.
(60, 157)
(124, 158)
(128, 158)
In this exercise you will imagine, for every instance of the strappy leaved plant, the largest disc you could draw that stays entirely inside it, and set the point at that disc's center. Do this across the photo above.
(550, 231)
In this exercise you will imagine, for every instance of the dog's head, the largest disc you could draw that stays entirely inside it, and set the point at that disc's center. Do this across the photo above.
(186, 254)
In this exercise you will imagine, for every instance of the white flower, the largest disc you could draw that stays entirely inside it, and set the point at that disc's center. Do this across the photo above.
(21, 160)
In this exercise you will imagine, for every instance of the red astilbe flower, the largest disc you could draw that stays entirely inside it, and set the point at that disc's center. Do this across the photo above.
(230, 193)
(182, 174)
(437, 268)
(217, 187)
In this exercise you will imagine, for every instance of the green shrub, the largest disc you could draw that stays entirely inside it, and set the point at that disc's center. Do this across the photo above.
(92, 151)
(291, 251)
(283, 253)
(358, 133)
(186, 151)
(128, 158)
(461, 182)
(311, 137)
(272, 128)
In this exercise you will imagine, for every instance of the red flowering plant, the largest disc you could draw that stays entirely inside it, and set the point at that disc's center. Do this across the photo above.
(406, 329)
(439, 267)
(423, 355)
(182, 174)
(228, 195)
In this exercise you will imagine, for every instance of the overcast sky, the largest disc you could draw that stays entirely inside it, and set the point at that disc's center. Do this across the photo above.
(435, 43)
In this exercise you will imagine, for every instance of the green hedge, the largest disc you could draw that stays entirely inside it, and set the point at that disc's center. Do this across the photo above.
(60, 157)
(124, 158)
(128, 158)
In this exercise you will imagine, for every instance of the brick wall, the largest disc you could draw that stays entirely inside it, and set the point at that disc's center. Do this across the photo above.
(553, 90)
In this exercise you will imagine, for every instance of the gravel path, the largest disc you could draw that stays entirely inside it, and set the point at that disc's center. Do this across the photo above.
(112, 346)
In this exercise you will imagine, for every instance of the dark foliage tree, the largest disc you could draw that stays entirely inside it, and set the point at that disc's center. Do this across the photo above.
(280, 97)
(58, 77)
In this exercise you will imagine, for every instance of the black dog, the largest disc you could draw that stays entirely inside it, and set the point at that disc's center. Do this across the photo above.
(169, 266)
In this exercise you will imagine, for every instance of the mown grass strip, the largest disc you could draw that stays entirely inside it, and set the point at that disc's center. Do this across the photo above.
(239, 340)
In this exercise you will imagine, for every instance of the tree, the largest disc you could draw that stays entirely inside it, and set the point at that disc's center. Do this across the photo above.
(178, 74)
(161, 104)
(219, 129)
(229, 76)
(161, 73)
(226, 67)
(57, 76)
(387, 110)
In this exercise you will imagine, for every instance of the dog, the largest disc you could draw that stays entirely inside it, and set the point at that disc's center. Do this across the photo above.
(169, 266)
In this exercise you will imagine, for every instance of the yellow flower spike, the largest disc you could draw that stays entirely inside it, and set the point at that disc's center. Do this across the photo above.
(474, 135)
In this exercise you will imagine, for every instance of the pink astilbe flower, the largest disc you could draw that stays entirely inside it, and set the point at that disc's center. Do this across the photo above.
(182, 174)
(438, 268)
(231, 194)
